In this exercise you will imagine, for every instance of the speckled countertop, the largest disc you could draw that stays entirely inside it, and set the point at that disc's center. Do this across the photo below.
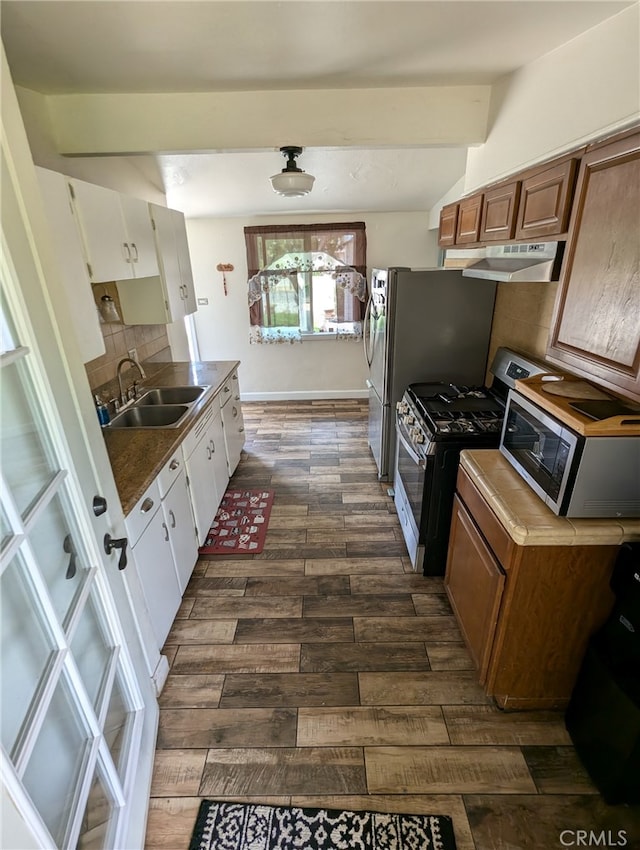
(525, 516)
(138, 455)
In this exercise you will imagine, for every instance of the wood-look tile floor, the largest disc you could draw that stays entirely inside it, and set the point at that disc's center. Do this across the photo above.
(323, 671)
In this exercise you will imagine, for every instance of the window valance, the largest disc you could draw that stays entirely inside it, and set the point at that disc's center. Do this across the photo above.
(306, 280)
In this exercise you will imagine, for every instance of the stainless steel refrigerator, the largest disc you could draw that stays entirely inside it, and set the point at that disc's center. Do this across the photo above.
(421, 325)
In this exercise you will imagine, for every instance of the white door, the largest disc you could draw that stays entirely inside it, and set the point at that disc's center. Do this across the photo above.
(78, 711)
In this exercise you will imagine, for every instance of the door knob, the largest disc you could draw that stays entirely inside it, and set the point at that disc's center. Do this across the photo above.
(99, 505)
(111, 543)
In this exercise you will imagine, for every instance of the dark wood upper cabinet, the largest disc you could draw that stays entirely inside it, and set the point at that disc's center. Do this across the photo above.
(595, 329)
(499, 211)
(448, 225)
(469, 215)
(545, 202)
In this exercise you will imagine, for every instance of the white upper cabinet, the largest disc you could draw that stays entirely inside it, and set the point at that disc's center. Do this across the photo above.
(174, 260)
(170, 296)
(184, 260)
(73, 268)
(117, 233)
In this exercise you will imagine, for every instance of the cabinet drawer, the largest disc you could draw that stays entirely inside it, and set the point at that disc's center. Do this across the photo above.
(494, 533)
(170, 472)
(230, 390)
(199, 429)
(142, 513)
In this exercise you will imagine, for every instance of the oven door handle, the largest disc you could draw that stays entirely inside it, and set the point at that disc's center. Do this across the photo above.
(415, 457)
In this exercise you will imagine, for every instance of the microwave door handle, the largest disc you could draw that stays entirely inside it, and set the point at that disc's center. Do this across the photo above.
(419, 461)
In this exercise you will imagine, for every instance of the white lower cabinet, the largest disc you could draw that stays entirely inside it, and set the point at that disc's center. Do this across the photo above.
(232, 422)
(176, 507)
(163, 545)
(207, 473)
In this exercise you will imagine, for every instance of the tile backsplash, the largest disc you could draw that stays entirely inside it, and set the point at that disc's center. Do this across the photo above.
(150, 341)
(522, 317)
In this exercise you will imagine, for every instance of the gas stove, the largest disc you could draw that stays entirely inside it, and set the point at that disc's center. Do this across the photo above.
(435, 421)
(447, 412)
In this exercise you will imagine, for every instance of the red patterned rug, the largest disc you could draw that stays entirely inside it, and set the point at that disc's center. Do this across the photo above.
(240, 525)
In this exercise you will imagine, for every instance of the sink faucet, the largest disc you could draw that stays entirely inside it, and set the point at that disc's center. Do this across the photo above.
(123, 396)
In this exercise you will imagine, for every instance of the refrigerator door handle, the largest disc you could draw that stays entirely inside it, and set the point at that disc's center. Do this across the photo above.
(366, 333)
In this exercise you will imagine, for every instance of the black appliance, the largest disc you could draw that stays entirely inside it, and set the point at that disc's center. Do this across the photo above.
(603, 717)
(434, 422)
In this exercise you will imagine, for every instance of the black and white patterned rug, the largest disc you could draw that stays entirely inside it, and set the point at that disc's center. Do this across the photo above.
(236, 826)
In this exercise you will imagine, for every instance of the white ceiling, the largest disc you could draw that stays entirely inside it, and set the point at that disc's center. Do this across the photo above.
(72, 46)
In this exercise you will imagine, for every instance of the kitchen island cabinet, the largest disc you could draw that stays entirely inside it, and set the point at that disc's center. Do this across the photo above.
(528, 588)
(595, 330)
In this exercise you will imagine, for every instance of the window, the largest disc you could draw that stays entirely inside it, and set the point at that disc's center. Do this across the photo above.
(306, 280)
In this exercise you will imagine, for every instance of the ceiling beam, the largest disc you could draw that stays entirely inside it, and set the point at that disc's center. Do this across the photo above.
(121, 124)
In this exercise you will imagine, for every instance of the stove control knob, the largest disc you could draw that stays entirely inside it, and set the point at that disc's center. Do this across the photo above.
(417, 436)
(402, 406)
(408, 419)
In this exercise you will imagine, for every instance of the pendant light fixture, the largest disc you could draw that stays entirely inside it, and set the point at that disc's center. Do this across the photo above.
(292, 182)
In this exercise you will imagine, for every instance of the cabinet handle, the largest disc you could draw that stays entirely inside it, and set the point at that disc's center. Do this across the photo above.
(240, 430)
(213, 446)
(234, 411)
(227, 389)
(174, 464)
(166, 532)
(121, 543)
(99, 505)
(135, 248)
(208, 453)
(173, 519)
(146, 506)
(126, 252)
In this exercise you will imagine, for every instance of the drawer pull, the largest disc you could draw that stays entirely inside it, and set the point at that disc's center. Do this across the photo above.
(173, 519)
(146, 506)
(166, 532)
(174, 464)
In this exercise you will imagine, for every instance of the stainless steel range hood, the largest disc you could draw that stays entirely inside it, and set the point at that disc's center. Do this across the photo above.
(537, 262)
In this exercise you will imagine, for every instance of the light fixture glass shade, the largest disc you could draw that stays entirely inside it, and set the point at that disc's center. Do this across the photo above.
(292, 184)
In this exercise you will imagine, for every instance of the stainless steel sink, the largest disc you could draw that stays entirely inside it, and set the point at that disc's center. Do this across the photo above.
(170, 395)
(151, 416)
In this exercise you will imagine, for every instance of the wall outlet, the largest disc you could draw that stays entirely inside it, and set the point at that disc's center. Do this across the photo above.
(133, 354)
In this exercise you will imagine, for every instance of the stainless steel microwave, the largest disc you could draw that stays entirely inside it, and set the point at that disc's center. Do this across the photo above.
(575, 476)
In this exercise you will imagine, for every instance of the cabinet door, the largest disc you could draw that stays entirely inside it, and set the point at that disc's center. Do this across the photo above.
(202, 487)
(215, 436)
(167, 250)
(232, 422)
(596, 325)
(154, 561)
(67, 244)
(140, 237)
(499, 210)
(474, 582)
(448, 225)
(469, 213)
(545, 202)
(176, 506)
(99, 213)
(184, 261)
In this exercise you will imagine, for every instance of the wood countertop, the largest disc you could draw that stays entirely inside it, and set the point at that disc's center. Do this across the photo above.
(138, 455)
(526, 518)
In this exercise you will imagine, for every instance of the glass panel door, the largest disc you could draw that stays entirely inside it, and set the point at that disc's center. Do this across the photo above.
(71, 710)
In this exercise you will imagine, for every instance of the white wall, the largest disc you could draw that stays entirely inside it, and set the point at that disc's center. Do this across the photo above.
(582, 90)
(312, 369)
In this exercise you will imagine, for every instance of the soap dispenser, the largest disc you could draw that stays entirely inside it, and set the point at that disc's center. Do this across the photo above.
(103, 411)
